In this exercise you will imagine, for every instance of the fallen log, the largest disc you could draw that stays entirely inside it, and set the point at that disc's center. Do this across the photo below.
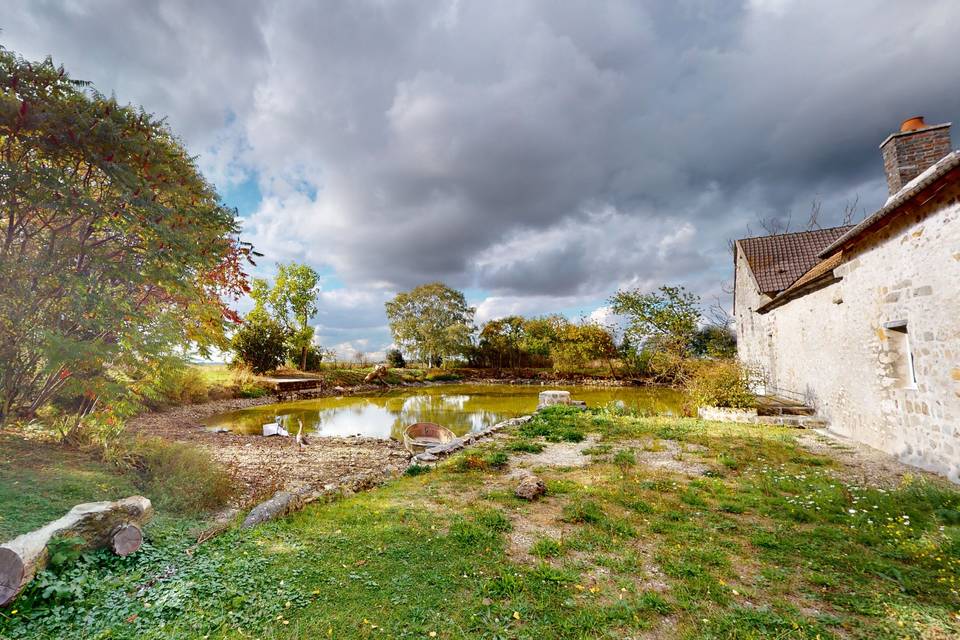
(115, 525)
(378, 374)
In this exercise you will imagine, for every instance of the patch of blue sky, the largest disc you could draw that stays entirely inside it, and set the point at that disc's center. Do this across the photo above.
(244, 196)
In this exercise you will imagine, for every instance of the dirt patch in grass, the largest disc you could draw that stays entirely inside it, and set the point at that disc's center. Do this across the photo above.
(557, 455)
(668, 455)
(538, 520)
(860, 464)
(263, 465)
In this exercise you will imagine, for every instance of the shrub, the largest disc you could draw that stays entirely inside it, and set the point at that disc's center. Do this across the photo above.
(669, 367)
(314, 357)
(261, 344)
(395, 359)
(720, 383)
(179, 385)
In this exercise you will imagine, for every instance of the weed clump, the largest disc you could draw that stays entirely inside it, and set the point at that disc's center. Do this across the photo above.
(583, 512)
(525, 446)
(479, 462)
(546, 548)
(416, 470)
(497, 460)
(179, 477)
(624, 458)
(558, 423)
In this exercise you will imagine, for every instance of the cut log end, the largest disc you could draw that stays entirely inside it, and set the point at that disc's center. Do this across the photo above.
(11, 575)
(126, 539)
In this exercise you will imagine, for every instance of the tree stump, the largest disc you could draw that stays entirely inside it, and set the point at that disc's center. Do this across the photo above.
(98, 524)
(126, 539)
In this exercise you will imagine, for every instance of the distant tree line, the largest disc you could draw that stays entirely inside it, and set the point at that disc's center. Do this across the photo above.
(665, 328)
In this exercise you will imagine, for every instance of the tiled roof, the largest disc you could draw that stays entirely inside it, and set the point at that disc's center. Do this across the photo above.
(821, 270)
(778, 261)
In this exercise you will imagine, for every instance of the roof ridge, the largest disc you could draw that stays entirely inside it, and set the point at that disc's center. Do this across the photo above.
(794, 233)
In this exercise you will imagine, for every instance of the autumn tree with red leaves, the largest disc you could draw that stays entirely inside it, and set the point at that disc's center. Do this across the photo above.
(115, 252)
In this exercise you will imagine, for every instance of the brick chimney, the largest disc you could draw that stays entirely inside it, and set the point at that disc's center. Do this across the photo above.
(912, 150)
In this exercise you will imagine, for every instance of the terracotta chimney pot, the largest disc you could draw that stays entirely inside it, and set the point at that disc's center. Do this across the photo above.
(912, 124)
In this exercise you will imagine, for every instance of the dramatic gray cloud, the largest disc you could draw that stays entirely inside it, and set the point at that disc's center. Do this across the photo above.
(540, 153)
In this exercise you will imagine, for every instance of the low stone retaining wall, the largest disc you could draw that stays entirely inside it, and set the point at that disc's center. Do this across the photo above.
(724, 414)
(435, 454)
(749, 416)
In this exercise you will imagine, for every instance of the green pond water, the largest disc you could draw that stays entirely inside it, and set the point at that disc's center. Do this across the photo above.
(461, 408)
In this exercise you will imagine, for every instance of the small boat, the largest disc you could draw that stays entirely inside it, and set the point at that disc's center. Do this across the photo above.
(423, 435)
(274, 429)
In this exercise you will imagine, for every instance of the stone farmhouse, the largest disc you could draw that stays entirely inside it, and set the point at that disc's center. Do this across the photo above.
(862, 323)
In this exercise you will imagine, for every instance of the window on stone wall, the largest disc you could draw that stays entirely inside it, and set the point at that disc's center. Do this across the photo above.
(903, 365)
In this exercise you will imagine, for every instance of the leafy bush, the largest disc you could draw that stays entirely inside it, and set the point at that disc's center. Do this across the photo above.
(261, 343)
(669, 367)
(720, 383)
(314, 357)
(395, 359)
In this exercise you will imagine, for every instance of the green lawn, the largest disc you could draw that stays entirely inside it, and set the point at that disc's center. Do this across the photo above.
(41, 482)
(768, 543)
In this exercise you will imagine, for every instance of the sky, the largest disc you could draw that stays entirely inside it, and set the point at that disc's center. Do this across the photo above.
(537, 155)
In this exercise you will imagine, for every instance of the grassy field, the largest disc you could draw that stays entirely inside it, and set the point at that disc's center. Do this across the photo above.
(673, 528)
(40, 482)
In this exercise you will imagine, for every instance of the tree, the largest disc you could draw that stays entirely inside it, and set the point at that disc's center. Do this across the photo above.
(114, 251)
(432, 320)
(501, 339)
(395, 359)
(669, 316)
(712, 341)
(292, 301)
(261, 343)
(579, 344)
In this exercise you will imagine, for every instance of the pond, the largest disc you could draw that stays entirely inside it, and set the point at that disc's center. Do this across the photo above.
(460, 408)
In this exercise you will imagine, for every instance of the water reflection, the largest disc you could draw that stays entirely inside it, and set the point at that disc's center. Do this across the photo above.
(461, 408)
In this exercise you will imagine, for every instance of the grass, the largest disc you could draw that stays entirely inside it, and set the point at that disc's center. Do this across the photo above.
(41, 481)
(772, 543)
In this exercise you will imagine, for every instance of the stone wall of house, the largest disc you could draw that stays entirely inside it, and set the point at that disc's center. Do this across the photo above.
(847, 346)
(752, 342)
